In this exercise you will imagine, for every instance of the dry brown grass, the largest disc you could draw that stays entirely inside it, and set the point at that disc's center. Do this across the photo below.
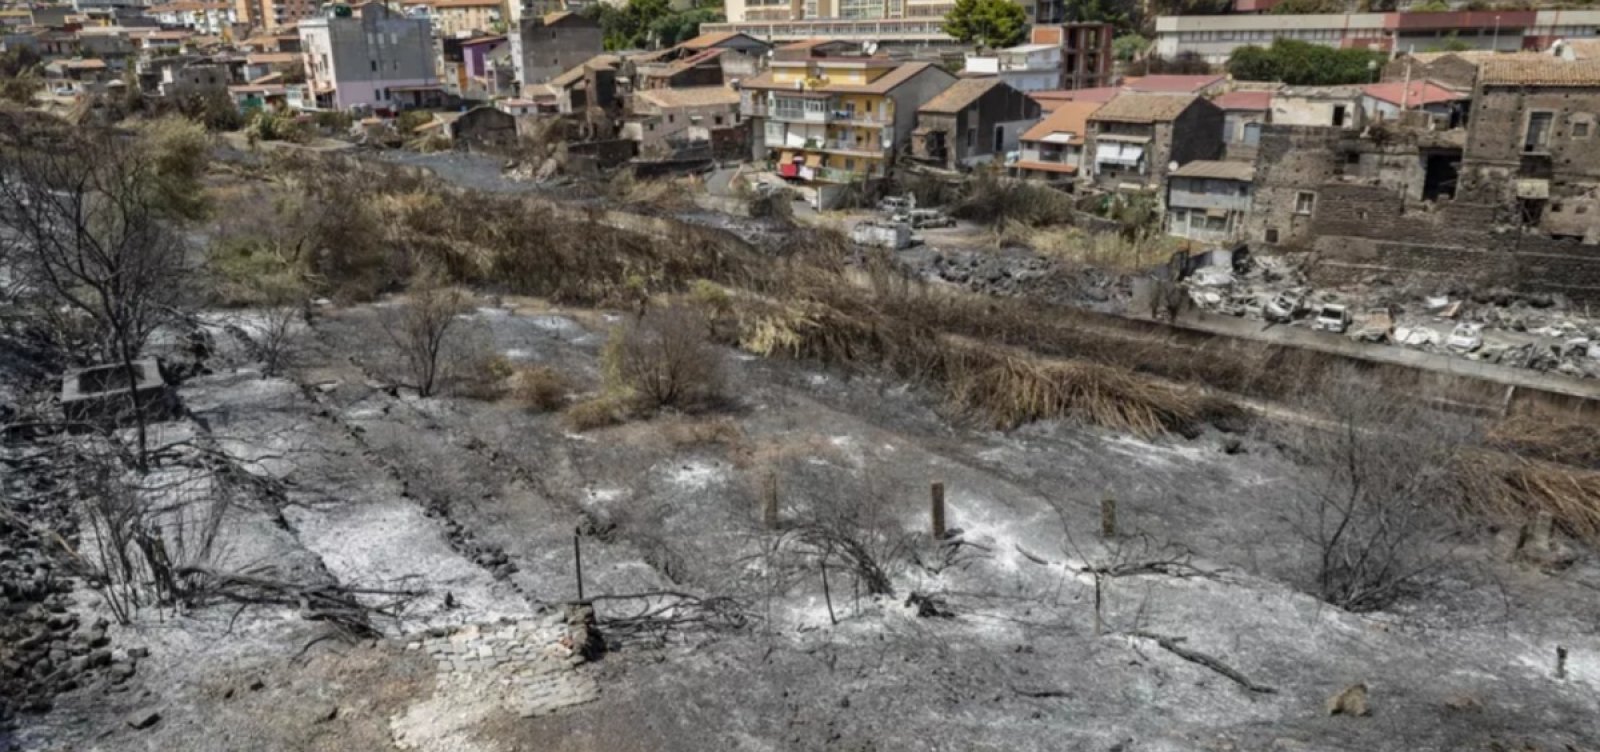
(539, 388)
(596, 412)
(1009, 391)
(1512, 490)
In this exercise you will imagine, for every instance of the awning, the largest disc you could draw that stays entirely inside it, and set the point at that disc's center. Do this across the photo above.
(1118, 153)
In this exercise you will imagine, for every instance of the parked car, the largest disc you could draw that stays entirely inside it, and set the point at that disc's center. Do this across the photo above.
(1332, 317)
(1284, 306)
(925, 218)
(897, 204)
(1375, 325)
(1465, 337)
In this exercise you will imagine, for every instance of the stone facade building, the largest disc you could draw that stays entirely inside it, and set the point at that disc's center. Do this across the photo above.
(1533, 145)
(971, 122)
(547, 46)
(1135, 137)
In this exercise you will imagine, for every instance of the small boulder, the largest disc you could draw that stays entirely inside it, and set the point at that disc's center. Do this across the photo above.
(143, 719)
(1351, 701)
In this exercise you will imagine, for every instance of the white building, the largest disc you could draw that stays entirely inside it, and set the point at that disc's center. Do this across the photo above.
(1028, 67)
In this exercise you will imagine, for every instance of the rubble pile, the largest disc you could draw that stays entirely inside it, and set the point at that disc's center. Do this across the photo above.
(1027, 275)
(1537, 332)
(44, 649)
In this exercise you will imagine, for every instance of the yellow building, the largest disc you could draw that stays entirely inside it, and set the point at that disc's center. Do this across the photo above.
(453, 18)
(830, 117)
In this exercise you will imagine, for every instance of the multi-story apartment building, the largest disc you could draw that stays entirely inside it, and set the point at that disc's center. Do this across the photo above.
(457, 18)
(368, 57)
(876, 20)
(836, 119)
(1085, 52)
(273, 14)
(202, 18)
(1214, 38)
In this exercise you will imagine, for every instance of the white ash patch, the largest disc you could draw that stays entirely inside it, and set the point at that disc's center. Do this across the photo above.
(556, 324)
(601, 495)
(696, 475)
(524, 666)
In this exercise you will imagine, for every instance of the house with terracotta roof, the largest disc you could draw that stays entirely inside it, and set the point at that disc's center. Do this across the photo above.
(1387, 101)
(1533, 142)
(666, 120)
(972, 122)
(1244, 112)
(835, 118)
(1201, 85)
(1053, 149)
(1136, 138)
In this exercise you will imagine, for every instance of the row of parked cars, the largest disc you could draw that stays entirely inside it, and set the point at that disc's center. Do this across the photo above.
(1374, 325)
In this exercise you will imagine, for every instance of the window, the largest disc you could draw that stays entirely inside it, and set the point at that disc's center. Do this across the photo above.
(672, 118)
(1537, 136)
(1272, 235)
(717, 120)
(374, 64)
(1304, 202)
(1582, 126)
(1338, 116)
(972, 137)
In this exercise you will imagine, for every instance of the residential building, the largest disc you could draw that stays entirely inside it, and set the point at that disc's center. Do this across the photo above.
(273, 14)
(665, 121)
(1053, 150)
(76, 75)
(1244, 112)
(547, 46)
(1214, 38)
(1134, 137)
(1327, 106)
(202, 18)
(192, 79)
(885, 21)
(1085, 48)
(1050, 100)
(1576, 49)
(836, 119)
(1381, 102)
(481, 77)
(1533, 142)
(1453, 70)
(1028, 67)
(1199, 85)
(971, 123)
(676, 68)
(591, 83)
(1209, 201)
(742, 55)
(454, 18)
(369, 57)
(261, 64)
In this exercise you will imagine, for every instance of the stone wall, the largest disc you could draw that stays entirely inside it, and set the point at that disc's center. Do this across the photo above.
(1497, 130)
(1290, 159)
(1363, 232)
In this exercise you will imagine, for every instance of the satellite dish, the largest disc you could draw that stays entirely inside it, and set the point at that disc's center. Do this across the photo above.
(870, 48)
(1172, 166)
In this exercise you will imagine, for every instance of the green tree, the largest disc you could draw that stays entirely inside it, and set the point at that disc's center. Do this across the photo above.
(1129, 46)
(986, 23)
(1297, 7)
(1304, 64)
(680, 27)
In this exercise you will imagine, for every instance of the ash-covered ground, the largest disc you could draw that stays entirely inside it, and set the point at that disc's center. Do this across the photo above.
(989, 640)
